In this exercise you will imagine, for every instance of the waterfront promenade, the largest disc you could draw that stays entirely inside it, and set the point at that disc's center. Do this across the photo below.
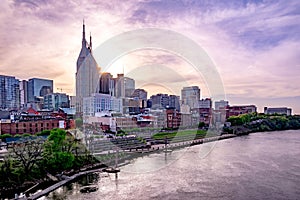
(139, 152)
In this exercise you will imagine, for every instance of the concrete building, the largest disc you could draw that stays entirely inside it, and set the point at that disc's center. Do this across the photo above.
(140, 94)
(174, 102)
(97, 103)
(238, 110)
(55, 101)
(87, 74)
(160, 116)
(38, 88)
(9, 92)
(221, 104)
(278, 110)
(205, 103)
(164, 101)
(23, 93)
(124, 86)
(190, 96)
(107, 84)
(126, 122)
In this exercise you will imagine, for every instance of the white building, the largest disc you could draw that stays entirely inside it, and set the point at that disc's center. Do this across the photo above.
(124, 86)
(205, 103)
(99, 103)
(221, 104)
(279, 110)
(190, 96)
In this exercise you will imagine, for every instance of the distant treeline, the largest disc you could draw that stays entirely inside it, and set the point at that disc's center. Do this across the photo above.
(259, 122)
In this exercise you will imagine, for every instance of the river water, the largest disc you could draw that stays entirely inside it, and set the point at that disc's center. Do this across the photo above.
(257, 166)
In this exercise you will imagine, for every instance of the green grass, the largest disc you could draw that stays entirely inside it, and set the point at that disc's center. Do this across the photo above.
(180, 134)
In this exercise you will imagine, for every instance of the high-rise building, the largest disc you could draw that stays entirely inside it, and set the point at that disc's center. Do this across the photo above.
(160, 101)
(55, 101)
(97, 103)
(174, 102)
(38, 88)
(107, 84)
(140, 94)
(23, 93)
(163, 101)
(205, 103)
(124, 86)
(87, 73)
(190, 96)
(9, 92)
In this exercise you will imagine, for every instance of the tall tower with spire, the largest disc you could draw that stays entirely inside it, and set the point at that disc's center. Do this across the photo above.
(87, 73)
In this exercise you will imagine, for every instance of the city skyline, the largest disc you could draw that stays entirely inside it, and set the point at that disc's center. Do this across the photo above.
(37, 36)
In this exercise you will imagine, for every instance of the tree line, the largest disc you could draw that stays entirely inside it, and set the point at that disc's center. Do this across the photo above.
(34, 159)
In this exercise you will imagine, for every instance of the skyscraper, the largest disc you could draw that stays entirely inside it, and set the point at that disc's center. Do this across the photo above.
(106, 84)
(190, 96)
(9, 92)
(87, 74)
(140, 94)
(124, 86)
(38, 87)
(55, 101)
(23, 93)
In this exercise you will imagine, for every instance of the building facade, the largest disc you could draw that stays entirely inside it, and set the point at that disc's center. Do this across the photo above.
(55, 101)
(140, 94)
(190, 96)
(278, 110)
(23, 93)
(239, 110)
(107, 84)
(37, 88)
(9, 92)
(221, 104)
(124, 86)
(31, 127)
(87, 74)
(97, 103)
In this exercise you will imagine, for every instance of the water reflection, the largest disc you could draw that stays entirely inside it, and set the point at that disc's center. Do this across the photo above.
(258, 166)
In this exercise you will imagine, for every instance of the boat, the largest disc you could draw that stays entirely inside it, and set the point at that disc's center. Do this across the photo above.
(89, 188)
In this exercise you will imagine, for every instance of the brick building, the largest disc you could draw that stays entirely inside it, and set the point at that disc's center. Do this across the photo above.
(32, 127)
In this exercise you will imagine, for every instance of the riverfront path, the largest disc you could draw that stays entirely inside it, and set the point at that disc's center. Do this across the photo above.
(59, 184)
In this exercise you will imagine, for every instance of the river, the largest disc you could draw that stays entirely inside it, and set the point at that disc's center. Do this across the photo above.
(257, 166)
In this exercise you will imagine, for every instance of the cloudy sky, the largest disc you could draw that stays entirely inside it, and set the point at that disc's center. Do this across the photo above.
(254, 44)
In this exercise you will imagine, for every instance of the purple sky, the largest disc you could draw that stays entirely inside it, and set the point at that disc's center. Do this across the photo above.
(253, 43)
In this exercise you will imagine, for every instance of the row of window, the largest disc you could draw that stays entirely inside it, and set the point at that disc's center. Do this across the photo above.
(35, 124)
(28, 131)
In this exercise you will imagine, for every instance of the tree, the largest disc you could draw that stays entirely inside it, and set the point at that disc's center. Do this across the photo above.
(58, 149)
(27, 153)
(201, 125)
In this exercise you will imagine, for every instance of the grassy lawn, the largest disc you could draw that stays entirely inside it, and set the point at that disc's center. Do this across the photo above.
(180, 134)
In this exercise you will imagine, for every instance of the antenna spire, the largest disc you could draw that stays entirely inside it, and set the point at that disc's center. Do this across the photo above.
(83, 34)
(91, 41)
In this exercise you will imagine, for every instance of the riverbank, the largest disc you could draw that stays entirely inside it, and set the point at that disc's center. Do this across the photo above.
(236, 169)
(126, 160)
(258, 122)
